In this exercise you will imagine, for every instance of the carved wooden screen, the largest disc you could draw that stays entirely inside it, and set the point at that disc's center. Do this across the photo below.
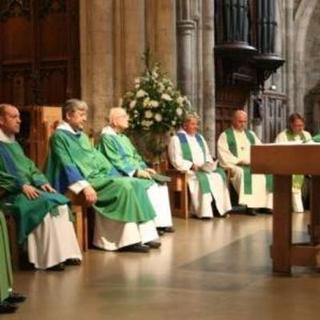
(39, 51)
(274, 114)
(227, 101)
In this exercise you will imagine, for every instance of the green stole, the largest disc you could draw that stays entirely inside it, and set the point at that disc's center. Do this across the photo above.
(232, 145)
(187, 155)
(297, 179)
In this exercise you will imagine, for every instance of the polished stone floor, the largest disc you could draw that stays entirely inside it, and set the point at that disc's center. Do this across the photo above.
(208, 269)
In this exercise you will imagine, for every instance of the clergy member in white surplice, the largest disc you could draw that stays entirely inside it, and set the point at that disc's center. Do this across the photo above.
(42, 215)
(295, 133)
(254, 190)
(122, 154)
(188, 152)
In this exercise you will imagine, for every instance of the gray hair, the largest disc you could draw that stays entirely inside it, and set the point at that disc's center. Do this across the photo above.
(73, 105)
(190, 116)
(114, 113)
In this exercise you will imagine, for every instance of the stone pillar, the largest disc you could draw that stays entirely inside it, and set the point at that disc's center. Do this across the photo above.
(289, 66)
(185, 32)
(161, 34)
(209, 119)
(185, 71)
(96, 58)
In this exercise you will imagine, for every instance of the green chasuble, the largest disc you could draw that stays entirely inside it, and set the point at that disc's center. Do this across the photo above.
(72, 158)
(15, 171)
(5, 261)
(121, 153)
(187, 155)
(297, 179)
(247, 177)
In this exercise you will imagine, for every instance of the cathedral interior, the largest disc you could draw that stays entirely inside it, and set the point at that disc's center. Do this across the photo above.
(261, 56)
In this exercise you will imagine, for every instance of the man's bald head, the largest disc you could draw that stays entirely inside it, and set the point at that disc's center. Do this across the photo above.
(239, 120)
(118, 118)
(9, 119)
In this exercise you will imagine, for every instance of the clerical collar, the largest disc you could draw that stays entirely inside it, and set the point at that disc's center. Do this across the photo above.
(108, 130)
(6, 138)
(240, 131)
(185, 132)
(66, 126)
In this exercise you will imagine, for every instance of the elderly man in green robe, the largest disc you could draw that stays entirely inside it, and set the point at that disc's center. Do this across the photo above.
(124, 215)
(8, 298)
(42, 215)
(119, 150)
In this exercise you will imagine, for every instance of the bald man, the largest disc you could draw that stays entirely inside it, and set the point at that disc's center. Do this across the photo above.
(41, 213)
(119, 150)
(254, 191)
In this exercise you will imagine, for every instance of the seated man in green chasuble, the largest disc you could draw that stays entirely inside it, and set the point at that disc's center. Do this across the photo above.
(8, 298)
(296, 134)
(254, 190)
(119, 150)
(42, 215)
(189, 152)
(123, 213)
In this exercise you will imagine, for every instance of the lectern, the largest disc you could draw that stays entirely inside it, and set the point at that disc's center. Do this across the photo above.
(282, 161)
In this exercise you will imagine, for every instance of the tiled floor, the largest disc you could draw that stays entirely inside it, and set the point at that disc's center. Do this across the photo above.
(212, 269)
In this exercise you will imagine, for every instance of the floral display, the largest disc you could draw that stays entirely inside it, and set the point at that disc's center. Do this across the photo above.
(155, 104)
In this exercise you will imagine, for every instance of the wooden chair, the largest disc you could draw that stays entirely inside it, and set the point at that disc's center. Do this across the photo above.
(83, 219)
(179, 194)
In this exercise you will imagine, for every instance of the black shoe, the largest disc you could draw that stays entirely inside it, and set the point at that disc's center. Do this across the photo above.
(265, 210)
(6, 307)
(57, 267)
(15, 297)
(169, 229)
(153, 244)
(72, 262)
(138, 247)
(222, 216)
(160, 231)
(251, 212)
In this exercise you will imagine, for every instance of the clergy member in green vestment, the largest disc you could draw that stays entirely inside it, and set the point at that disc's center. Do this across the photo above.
(123, 213)
(295, 134)
(188, 152)
(8, 298)
(42, 215)
(254, 190)
(119, 150)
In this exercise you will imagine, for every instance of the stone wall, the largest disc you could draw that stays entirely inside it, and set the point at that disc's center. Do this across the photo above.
(114, 35)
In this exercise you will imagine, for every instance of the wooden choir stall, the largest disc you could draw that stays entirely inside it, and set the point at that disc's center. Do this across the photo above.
(282, 161)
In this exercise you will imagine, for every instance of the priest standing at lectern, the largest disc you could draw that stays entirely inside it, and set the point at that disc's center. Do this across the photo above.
(295, 133)
(188, 152)
(119, 150)
(42, 215)
(254, 190)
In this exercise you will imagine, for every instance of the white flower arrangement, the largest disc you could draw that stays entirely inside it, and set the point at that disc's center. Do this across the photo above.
(154, 105)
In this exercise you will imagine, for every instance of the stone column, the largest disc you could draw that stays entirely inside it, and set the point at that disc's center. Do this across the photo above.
(161, 34)
(185, 30)
(96, 58)
(289, 66)
(209, 119)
